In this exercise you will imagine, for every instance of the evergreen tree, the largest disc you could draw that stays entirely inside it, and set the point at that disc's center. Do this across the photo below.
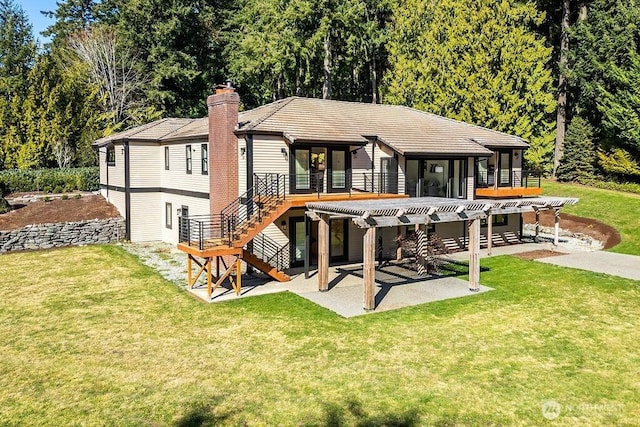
(477, 61)
(579, 159)
(605, 81)
(17, 53)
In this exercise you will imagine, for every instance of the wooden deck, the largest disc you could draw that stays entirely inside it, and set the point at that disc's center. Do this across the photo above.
(501, 192)
(299, 200)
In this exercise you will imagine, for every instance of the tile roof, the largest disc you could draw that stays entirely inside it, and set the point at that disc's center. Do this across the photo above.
(403, 129)
(153, 132)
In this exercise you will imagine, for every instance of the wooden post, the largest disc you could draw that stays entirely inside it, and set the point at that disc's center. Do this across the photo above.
(400, 235)
(238, 276)
(217, 267)
(489, 233)
(535, 239)
(208, 267)
(421, 251)
(189, 267)
(323, 253)
(556, 230)
(368, 268)
(474, 255)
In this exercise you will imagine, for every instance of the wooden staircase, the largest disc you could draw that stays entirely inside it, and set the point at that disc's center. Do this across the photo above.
(264, 266)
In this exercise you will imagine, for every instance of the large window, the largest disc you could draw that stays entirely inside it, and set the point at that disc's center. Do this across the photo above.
(111, 156)
(436, 178)
(189, 159)
(204, 151)
(497, 220)
(166, 158)
(168, 215)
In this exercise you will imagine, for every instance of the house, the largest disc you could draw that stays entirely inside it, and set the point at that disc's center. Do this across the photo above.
(236, 184)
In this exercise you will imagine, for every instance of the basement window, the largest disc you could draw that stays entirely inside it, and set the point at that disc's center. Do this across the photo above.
(111, 156)
(168, 215)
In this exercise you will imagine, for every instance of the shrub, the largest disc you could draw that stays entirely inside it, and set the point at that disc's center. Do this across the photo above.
(77, 196)
(64, 197)
(4, 205)
(46, 199)
(49, 180)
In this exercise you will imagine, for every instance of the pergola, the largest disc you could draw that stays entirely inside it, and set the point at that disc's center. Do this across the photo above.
(373, 214)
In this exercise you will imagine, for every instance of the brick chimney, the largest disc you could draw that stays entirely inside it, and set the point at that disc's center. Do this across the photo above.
(223, 147)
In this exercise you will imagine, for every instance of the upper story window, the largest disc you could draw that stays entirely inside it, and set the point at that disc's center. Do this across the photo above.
(111, 156)
(204, 150)
(189, 159)
(166, 158)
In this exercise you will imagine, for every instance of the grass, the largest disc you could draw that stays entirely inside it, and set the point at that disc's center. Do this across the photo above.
(104, 340)
(618, 209)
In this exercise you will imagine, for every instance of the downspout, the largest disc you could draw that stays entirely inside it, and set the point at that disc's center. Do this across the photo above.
(127, 190)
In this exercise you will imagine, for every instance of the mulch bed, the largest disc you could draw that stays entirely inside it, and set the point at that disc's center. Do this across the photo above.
(541, 253)
(575, 224)
(86, 208)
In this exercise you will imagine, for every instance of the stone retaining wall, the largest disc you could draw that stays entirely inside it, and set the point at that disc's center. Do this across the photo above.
(56, 235)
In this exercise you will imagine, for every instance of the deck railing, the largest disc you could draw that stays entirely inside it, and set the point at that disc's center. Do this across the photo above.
(504, 178)
(271, 252)
(323, 182)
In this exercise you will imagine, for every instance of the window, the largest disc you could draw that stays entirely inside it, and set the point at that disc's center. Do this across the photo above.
(205, 158)
(189, 159)
(168, 215)
(111, 156)
(166, 158)
(498, 220)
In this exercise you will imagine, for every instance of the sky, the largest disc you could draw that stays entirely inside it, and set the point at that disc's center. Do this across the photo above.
(40, 22)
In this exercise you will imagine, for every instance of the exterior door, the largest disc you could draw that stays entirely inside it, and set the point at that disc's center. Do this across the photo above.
(504, 169)
(389, 175)
(301, 179)
(338, 171)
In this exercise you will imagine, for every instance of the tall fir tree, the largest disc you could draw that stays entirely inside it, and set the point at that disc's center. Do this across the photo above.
(579, 159)
(17, 54)
(605, 81)
(478, 61)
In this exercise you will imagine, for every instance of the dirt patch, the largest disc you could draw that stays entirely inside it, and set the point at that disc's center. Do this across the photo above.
(86, 208)
(608, 235)
(542, 253)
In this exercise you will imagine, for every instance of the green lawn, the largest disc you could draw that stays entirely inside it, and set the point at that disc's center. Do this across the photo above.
(618, 209)
(92, 337)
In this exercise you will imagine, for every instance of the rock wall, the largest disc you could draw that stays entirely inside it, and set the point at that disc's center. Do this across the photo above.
(56, 235)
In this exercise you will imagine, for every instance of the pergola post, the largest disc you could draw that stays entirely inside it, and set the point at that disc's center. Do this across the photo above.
(474, 255)
(535, 239)
(489, 233)
(556, 231)
(323, 253)
(368, 268)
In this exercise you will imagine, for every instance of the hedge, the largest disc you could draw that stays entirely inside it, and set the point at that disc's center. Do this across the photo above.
(50, 180)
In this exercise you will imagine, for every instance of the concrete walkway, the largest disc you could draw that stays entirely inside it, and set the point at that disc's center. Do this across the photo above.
(627, 266)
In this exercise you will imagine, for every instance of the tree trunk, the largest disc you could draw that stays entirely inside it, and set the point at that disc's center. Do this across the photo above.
(583, 11)
(326, 88)
(561, 119)
(374, 80)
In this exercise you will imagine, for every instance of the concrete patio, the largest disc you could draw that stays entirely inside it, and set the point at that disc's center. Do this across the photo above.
(396, 287)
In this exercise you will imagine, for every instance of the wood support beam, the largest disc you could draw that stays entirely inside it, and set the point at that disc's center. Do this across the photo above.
(474, 255)
(535, 238)
(556, 225)
(489, 233)
(368, 269)
(323, 253)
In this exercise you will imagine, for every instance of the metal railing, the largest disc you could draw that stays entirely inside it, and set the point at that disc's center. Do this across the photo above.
(199, 229)
(323, 182)
(506, 178)
(271, 252)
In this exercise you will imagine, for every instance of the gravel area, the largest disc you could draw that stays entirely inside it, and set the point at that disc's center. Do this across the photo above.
(165, 258)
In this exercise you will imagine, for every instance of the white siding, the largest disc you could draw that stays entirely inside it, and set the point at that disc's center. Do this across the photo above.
(177, 177)
(242, 166)
(117, 199)
(268, 157)
(145, 162)
(196, 206)
(147, 217)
